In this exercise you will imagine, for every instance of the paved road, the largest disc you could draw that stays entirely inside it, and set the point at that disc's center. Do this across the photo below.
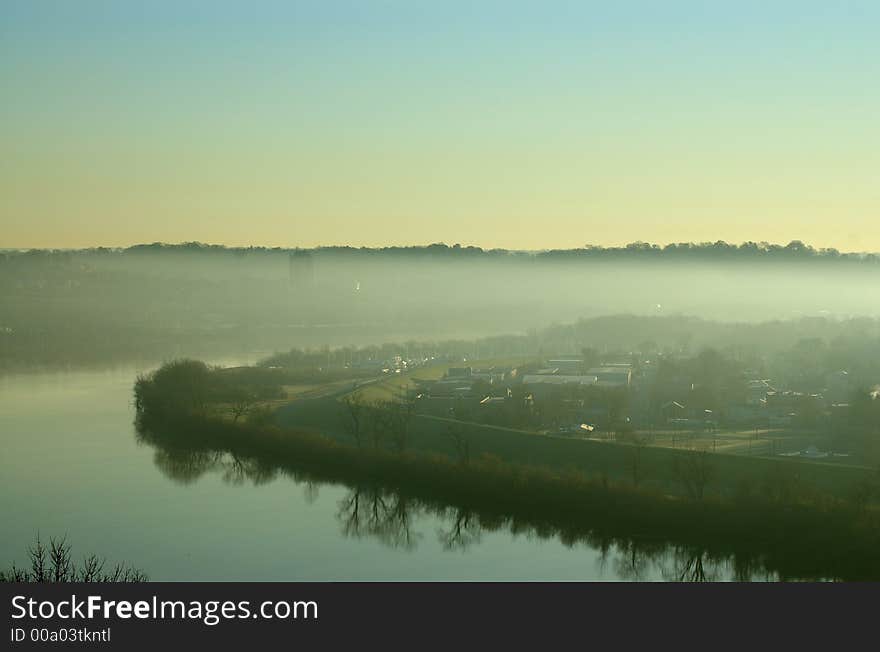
(320, 409)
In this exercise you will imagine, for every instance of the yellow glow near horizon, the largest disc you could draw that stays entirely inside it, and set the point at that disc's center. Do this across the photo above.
(530, 137)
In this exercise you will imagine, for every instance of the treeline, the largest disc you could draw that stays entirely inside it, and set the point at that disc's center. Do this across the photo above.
(798, 353)
(815, 341)
(805, 346)
(748, 251)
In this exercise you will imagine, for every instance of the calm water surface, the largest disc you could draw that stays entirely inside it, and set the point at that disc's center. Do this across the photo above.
(71, 465)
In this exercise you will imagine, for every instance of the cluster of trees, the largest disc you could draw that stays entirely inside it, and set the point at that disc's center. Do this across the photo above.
(840, 341)
(609, 407)
(192, 387)
(799, 353)
(808, 362)
(715, 381)
(749, 251)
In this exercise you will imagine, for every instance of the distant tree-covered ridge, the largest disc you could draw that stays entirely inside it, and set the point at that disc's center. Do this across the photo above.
(795, 250)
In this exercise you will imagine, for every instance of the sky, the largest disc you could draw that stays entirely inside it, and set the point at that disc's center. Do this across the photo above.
(523, 125)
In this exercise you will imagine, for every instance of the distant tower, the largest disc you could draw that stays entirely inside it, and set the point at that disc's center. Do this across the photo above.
(301, 269)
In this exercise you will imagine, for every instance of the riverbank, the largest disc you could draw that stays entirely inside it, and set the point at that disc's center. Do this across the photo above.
(797, 539)
(649, 466)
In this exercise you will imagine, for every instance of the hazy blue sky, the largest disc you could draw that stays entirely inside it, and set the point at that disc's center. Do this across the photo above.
(514, 124)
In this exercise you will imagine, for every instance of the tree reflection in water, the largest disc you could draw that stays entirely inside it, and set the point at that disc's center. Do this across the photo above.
(390, 517)
(463, 532)
(387, 516)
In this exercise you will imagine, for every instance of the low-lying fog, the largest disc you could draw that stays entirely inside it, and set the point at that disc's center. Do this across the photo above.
(198, 296)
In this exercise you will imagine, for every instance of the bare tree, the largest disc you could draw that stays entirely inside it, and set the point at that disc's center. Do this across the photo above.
(242, 404)
(400, 416)
(384, 420)
(636, 444)
(55, 564)
(461, 444)
(379, 423)
(694, 471)
(355, 416)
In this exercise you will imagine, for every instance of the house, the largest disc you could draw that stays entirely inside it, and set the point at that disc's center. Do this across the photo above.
(547, 385)
(491, 375)
(567, 367)
(612, 376)
(788, 404)
(673, 410)
(757, 390)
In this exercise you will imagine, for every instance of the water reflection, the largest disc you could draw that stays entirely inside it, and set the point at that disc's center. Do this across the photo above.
(387, 516)
(391, 517)
(463, 532)
(639, 561)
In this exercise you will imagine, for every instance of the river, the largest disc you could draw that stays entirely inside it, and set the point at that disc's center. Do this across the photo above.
(72, 466)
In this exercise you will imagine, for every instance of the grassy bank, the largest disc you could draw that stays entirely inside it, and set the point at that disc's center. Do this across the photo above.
(648, 465)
